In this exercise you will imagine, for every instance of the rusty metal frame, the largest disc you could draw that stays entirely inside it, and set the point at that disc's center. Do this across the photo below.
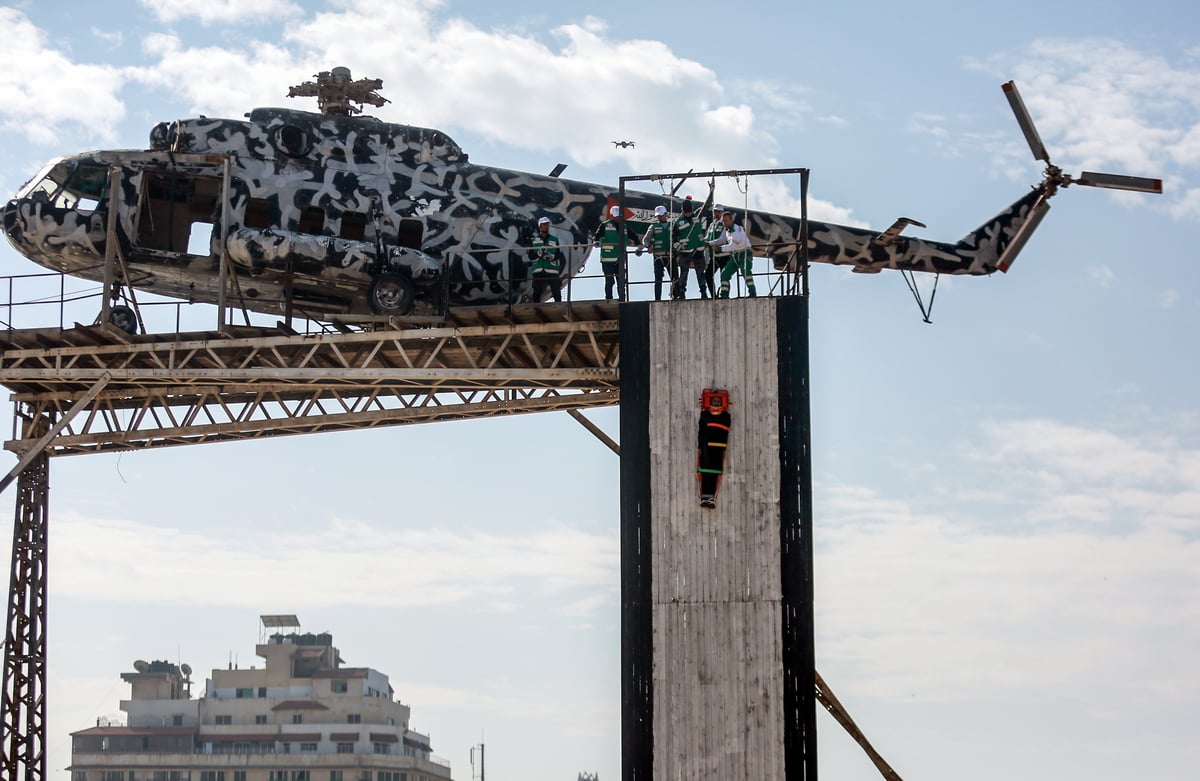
(96, 388)
(247, 383)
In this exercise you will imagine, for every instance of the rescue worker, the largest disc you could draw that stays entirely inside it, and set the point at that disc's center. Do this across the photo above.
(658, 241)
(687, 239)
(611, 235)
(734, 245)
(546, 262)
(716, 259)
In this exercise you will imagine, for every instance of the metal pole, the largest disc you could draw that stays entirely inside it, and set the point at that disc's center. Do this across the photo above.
(223, 258)
(23, 709)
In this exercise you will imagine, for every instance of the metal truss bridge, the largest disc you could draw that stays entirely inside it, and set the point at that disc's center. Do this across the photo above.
(91, 389)
(108, 390)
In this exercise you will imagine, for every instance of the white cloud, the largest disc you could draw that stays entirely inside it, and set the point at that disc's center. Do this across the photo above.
(966, 601)
(391, 568)
(1102, 276)
(42, 92)
(220, 11)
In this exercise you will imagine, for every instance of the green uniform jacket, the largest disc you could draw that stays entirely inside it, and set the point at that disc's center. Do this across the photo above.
(545, 256)
(658, 238)
(609, 235)
(715, 229)
(688, 232)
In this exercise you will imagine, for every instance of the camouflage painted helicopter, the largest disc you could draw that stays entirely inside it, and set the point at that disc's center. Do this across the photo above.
(326, 214)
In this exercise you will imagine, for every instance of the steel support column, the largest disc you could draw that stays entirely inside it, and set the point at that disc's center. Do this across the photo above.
(24, 700)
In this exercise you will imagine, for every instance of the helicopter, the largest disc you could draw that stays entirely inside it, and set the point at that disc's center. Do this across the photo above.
(332, 214)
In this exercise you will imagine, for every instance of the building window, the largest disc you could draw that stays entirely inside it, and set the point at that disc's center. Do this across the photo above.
(354, 718)
(287, 748)
(239, 775)
(365, 776)
(279, 775)
(335, 775)
(223, 719)
(112, 775)
(212, 775)
(243, 694)
(177, 720)
(381, 748)
(338, 687)
(345, 748)
(260, 719)
(262, 691)
(308, 748)
(80, 775)
(299, 775)
(297, 718)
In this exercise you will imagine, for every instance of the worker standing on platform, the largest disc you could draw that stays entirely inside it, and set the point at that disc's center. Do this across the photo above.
(546, 262)
(734, 244)
(658, 241)
(716, 259)
(610, 237)
(687, 239)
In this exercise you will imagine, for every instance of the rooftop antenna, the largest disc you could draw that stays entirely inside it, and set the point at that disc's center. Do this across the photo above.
(473, 748)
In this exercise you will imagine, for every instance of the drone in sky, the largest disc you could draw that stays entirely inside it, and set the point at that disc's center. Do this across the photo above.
(624, 144)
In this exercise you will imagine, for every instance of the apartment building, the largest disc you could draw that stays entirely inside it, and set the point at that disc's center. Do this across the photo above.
(300, 716)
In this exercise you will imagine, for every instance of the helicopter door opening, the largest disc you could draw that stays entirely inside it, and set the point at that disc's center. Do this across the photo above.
(177, 214)
(410, 233)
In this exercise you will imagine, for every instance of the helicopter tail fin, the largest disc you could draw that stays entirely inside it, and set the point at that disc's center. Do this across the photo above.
(994, 245)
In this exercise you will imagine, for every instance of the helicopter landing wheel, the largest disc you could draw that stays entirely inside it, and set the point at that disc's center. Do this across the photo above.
(391, 293)
(123, 317)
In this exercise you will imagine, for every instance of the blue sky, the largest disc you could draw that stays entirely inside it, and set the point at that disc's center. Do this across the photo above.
(1007, 500)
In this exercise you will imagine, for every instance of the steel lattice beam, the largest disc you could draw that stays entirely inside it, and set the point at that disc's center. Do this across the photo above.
(250, 383)
(24, 697)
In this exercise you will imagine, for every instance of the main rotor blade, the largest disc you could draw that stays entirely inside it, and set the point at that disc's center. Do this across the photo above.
(1119, 182)
(1026, 122)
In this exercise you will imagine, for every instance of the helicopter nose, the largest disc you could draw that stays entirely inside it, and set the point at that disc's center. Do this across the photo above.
(11, 223)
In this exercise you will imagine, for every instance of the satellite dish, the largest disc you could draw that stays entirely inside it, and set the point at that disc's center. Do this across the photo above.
(185, 668)
(141, 666)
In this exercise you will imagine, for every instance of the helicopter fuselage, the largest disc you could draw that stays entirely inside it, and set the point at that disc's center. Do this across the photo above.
(308, 210)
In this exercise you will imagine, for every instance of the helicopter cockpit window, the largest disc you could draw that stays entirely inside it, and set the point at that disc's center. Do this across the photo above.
(70, 184)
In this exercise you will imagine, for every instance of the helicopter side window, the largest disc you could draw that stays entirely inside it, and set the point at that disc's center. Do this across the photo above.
(354, 226)
(258, 213)
(409, 233)
(312, 220)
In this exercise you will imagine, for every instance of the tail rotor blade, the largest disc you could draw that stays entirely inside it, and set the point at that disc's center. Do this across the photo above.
(1119, 182)
(1026, 122)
